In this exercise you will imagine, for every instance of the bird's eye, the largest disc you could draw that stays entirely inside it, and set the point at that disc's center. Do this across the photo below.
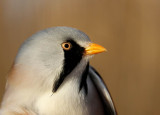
(66, 45)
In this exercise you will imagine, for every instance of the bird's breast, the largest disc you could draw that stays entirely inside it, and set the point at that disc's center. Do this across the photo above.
(69, 101)
(66, 101)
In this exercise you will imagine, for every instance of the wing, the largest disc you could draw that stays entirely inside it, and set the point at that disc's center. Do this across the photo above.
(103, 92)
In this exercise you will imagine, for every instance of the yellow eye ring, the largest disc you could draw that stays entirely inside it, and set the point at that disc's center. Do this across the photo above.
(66, 45)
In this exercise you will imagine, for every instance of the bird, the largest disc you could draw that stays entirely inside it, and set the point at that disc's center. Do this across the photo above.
(51, 75)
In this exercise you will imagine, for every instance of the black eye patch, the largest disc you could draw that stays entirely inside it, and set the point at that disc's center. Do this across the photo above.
(71, 58)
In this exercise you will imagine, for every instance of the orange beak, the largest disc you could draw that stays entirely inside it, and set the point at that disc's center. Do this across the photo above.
(94, 49)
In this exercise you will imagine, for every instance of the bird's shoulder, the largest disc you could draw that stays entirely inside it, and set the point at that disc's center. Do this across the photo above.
(103, 91)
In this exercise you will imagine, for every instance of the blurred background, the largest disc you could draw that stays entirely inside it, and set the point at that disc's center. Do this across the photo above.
(129, 29)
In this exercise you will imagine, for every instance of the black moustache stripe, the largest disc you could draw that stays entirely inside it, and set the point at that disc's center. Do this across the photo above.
(71, 58)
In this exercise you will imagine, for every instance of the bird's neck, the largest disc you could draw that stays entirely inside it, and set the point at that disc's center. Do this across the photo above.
(77, 78)
(26, 77)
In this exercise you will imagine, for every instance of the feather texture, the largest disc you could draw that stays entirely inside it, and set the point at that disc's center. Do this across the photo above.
(103, 92)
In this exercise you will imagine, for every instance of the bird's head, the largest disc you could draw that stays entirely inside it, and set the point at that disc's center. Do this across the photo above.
(55, 52)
